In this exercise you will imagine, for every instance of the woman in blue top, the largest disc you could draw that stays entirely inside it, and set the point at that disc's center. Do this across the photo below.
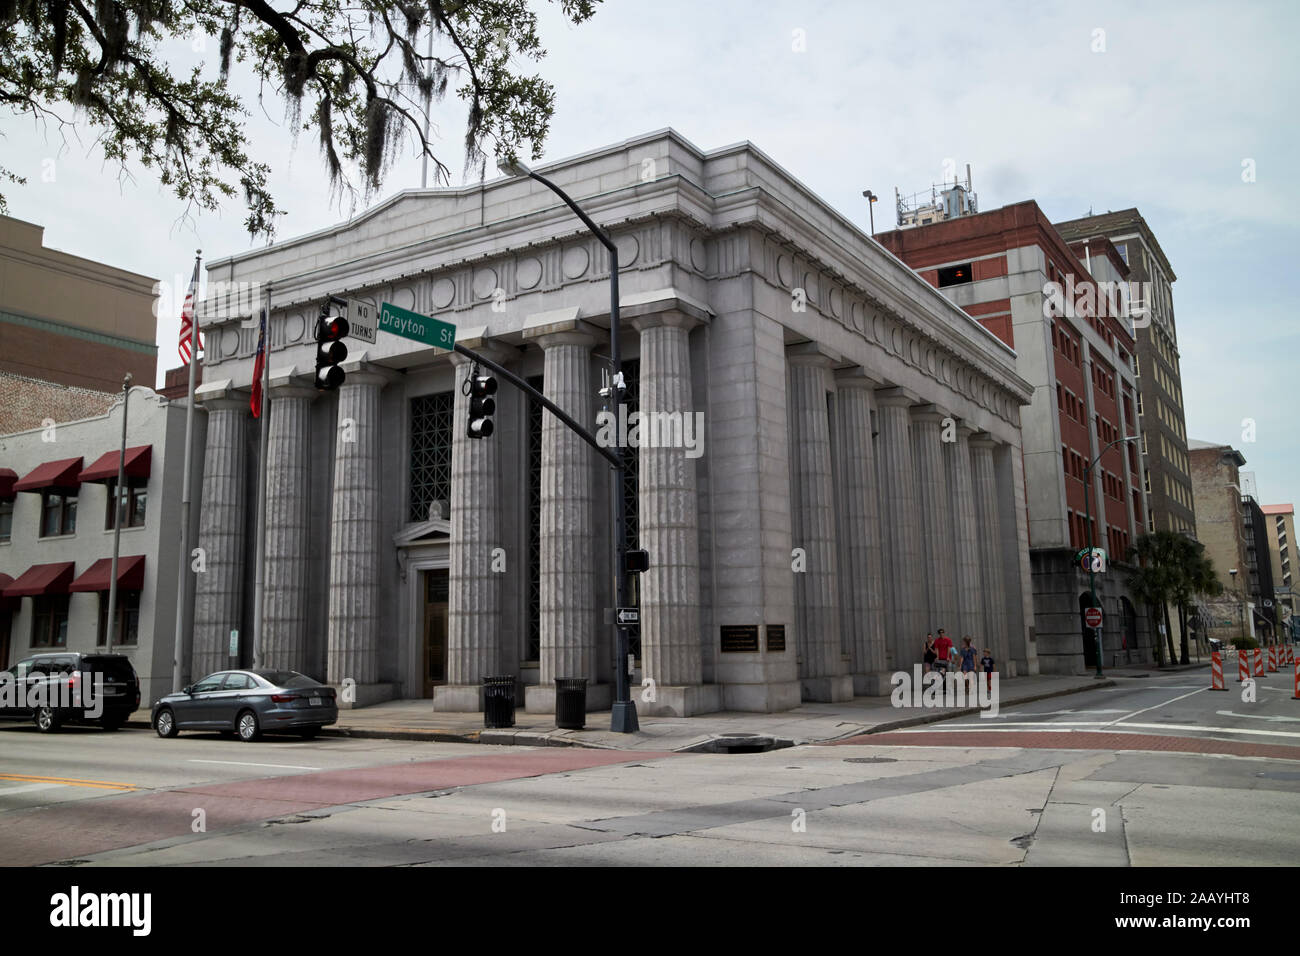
(967, 659)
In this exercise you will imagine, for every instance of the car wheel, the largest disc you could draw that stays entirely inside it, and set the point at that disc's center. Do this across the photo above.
(46, 719)
(307, 733)
(166, 723)
(246, 726)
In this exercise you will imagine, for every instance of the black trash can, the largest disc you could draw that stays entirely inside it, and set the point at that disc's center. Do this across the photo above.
(570, 703)
(499, 701)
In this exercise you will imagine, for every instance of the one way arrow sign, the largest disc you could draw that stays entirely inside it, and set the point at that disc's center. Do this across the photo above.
(629, 615)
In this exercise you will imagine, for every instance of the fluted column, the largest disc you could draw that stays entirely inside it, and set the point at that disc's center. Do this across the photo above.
(898, 529)
(354, 537)
(966, 551)
(288, 523)
(669, 522)
(474, 598)
(816, 596)
(934, 516)
(860, 582)
(219, 590)
(567, 577)
(985, 489)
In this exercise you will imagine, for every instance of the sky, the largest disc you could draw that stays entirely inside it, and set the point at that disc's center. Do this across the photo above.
(1180, 109)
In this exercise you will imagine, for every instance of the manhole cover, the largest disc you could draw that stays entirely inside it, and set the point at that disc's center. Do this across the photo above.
(870, 760)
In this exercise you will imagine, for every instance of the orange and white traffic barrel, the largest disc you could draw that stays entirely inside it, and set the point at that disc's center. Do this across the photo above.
(1259, 661)
(1295, 695)
(1272, 658)
(1216, 672)
(1243, 667)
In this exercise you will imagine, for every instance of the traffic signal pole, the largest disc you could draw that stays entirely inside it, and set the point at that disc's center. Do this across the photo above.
(623, 714)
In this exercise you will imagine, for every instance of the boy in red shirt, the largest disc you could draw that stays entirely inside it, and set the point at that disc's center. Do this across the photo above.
(942, 652)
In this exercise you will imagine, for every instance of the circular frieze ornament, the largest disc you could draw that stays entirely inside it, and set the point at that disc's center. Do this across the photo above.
(878, 329)
(404, 297)
(294, 326)
(443, 293)
(858, 316)
(698, 259)
(485, 280)
(945, 372)
(628, 248)
(930, 361)
(810, 287)
(230, 341)
(784, 272)
(575, 261)
(836, 302)
(528, 272)
(897, 340)
(914, 351)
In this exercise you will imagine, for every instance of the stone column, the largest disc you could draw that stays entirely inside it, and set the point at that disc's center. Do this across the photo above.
(474, 599)
(862, 601)
(901, 562)
(966, 542)
(354, 539)
(817, 604)
(288, 524)
(568, 584)
(934, 517)
(219, 590)
(984, 487)
(669, 522)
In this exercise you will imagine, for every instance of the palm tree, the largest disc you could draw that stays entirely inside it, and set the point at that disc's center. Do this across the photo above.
(1157, 577)
(1201, 577)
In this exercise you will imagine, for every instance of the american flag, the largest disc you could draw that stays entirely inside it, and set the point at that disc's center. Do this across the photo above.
(255, 403)
(187, 319)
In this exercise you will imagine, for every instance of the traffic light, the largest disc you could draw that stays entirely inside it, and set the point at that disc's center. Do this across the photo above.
(330, 350)
(636, 562)
(482, 405)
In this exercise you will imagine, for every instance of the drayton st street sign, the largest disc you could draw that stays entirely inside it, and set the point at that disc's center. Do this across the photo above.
(417, 327)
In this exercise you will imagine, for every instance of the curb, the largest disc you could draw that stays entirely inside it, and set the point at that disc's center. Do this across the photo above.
(936, 715)
(533, 738)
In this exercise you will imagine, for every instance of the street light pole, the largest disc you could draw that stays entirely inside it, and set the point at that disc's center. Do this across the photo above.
(871, 198)
(1087, 517)
(623, 718)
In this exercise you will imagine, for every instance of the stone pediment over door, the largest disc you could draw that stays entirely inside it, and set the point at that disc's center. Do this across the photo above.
(425, 538)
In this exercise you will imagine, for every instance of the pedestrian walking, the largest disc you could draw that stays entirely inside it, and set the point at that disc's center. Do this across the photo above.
(942, 652)
(929, 653)
(967, 663)
(986, 663)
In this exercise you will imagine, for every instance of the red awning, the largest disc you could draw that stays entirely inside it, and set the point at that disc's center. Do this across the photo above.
(7, 478)
(130, 574)
(53, 474)
(42, 579)
(105, 466)
(7, 603)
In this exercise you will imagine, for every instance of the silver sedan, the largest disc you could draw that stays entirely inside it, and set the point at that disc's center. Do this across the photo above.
(248, 703)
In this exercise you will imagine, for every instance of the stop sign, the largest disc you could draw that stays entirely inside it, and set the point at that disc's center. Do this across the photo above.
(1092, 616)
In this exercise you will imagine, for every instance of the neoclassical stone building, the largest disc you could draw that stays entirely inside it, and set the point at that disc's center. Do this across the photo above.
(857, 483)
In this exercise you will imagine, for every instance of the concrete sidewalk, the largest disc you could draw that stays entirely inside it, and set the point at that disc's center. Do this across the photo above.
(808, 723)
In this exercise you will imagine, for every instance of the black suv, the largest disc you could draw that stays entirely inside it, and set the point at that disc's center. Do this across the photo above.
(66, 686)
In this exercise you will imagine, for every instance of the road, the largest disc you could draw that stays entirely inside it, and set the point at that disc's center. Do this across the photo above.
(1157, 771)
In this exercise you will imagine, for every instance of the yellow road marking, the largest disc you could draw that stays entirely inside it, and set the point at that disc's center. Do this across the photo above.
(66, 781)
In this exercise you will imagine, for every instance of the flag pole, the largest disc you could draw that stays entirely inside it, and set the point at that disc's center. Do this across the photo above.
(259, 587)
(181, 631)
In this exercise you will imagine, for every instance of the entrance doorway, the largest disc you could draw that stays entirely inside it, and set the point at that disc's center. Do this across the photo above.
(434, 666)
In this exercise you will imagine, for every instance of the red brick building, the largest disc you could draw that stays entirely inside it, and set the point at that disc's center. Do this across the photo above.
(1063, 308)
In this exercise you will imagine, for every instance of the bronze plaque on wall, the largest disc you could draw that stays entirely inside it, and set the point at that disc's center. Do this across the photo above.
(776, 637)
(738, 638)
